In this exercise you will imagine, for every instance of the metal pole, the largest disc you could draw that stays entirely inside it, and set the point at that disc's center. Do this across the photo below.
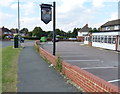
(18, 18)
(54, 24)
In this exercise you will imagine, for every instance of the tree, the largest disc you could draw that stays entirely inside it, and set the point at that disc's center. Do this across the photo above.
(94, 30)
(14, 30)
(58, 32)
(30, 34)
(24, 31)
(69, 34)
(49, 34)
(75, 32)
(38, 32)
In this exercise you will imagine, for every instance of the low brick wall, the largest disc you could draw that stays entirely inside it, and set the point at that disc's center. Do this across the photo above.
(87, 81)
(52, 59)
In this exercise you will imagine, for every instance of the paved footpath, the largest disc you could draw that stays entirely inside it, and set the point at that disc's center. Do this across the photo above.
(35, 75)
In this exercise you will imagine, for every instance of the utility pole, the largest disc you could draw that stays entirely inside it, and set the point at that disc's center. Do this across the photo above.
(18, 18)
(54, 25)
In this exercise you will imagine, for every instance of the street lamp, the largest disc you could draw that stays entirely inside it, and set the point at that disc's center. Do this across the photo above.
(16, 36)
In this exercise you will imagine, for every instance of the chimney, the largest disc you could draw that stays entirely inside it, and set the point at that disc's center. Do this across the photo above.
(86, 25)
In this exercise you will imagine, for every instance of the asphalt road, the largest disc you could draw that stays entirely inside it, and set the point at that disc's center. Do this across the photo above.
(11, 43)
(6, 43)
(100, 62)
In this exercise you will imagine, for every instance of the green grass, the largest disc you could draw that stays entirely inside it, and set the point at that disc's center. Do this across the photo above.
(0, 70)
(9, 68)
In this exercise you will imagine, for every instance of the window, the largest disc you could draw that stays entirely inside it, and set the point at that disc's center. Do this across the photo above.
(105, 39)
(108, 28)
(95, 38)
(5, 32)
(116, 27)
(98, 38)
(86, 38)
(109, 39)
(114, 39)
(102, 39)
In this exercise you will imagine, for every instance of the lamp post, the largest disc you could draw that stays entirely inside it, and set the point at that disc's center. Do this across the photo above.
(16, 39)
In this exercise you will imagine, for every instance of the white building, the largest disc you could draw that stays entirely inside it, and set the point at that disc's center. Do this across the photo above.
(108, 39)
(83, 32)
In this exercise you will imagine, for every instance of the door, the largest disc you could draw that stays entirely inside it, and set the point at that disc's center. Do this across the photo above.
(119, 43)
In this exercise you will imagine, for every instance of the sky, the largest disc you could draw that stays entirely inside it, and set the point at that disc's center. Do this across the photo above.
(70, 14)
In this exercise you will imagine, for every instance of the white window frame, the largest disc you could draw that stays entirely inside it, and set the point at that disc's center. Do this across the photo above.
(116, 27)
(107, 27)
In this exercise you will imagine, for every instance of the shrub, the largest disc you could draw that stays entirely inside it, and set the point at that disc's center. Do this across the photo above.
(59, 64)
(31, 38)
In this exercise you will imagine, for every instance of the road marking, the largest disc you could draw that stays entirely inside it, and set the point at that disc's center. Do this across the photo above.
(75, 56)
(99, 67)
(112, 81)
(83, 60)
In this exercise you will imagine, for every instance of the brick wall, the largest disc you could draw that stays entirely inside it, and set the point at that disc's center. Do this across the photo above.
(87, 81)
(80, 38)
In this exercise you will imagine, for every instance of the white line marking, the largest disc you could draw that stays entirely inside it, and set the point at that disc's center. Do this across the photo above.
(83, 60)
(99, 67)
(114, 81)
(75, 56)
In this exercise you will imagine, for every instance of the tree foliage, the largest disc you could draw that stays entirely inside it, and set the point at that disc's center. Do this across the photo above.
(38, 32)
(24, 30)
(94, 30)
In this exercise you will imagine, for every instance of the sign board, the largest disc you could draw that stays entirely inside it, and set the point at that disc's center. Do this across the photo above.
(46, 13)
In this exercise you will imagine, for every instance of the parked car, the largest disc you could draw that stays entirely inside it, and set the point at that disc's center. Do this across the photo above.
(56, 40)
(22, 40)
(72, 38)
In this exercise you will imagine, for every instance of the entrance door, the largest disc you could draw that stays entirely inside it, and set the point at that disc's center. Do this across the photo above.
(119, 43)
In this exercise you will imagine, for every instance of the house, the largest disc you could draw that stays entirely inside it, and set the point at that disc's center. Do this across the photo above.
(113, 25)
(6, 33)
(0, 33)
(108, 36)
(83, 32)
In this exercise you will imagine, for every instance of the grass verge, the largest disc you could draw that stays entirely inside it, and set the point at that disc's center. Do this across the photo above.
(0, 70)
(9, 68)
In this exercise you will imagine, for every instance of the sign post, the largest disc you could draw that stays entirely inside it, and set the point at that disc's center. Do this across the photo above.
(54, 24)
(46, 17)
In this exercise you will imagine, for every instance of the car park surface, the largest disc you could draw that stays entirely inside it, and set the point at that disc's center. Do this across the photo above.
(100, 62)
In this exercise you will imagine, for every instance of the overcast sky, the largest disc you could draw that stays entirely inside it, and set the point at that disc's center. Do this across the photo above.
(69, 13)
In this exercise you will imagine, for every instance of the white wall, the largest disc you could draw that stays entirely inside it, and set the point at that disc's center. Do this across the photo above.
(82, 33)
(85, 42)
(106, 33)
(104, 45)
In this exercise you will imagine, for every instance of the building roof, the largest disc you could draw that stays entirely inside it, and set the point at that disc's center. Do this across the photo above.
(85, 29)
(5, 29)
(111, 23)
